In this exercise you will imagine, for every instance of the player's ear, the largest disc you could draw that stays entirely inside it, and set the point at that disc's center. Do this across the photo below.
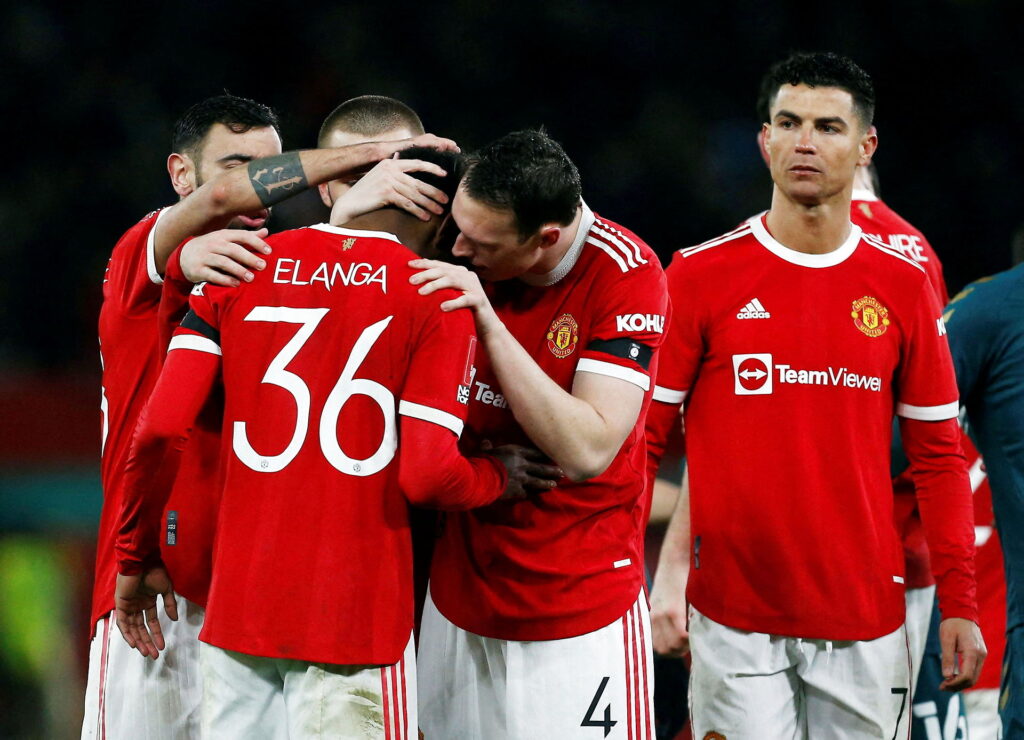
(182, 171)
(868, 145)
(548, 235)
(762, 143)
(325, 194)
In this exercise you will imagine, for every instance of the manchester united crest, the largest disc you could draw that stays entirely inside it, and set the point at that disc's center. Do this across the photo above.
(870, 316)
(563, 335)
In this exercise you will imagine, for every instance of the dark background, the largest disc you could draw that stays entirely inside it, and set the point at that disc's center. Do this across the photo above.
(654, 102)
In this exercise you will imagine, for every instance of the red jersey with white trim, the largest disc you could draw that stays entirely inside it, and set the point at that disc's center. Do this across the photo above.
(568, 561)
(876, 219)
(132, 346)
(792, 366)
(131, 358)
(321, 353)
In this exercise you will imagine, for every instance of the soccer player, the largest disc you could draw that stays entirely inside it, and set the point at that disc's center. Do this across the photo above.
(986, 334)
(228, 169)
(388, 182)
(877, 219)
(308, 627)
(794, 338)
(536, 623)
(379, 118)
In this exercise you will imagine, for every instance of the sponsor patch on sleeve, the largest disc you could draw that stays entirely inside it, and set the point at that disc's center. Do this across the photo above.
(649, 322)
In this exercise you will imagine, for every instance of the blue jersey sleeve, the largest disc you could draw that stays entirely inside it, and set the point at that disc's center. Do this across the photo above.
(986, 333)
(973, 323)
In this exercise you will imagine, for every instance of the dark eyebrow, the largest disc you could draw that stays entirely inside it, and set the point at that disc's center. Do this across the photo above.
(818, 121)
(830, 119)
(236, 158)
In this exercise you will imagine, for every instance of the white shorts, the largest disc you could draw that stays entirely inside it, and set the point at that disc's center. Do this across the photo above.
(250, 698)
(754, 686)
(920, 603)
(595, 686)
(982, 707)
(129, 696)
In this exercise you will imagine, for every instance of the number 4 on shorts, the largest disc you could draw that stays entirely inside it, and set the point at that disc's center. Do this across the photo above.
(607, 723)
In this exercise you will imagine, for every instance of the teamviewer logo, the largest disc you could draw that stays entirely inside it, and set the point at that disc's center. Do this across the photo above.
(753, 374)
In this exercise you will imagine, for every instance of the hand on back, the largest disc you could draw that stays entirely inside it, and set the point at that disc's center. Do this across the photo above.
(529, 470)
(224, 257)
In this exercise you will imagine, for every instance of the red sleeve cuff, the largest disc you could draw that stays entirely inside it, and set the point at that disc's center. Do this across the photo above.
(173, 272)
(130, 565)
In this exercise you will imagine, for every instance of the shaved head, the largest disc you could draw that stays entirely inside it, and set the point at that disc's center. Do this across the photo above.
(368, 117)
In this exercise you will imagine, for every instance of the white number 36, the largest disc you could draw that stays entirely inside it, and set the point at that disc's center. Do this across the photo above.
(346, 387)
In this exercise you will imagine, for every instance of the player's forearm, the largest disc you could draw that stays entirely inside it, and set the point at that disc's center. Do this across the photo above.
(266, 182)
(943, 488)
(434, 473)
(149, 478)
(675, 548)
(160, 436)
(261, 184)
(664, 495)
(567, 429)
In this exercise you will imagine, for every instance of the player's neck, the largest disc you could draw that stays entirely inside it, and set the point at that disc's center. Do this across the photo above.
(415, 234)
(862, 180)
(812, 229)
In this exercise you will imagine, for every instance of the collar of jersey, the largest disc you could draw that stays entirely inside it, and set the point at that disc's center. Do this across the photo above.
(355, 232)
(569, 259)
(829, 259)
(863, 194)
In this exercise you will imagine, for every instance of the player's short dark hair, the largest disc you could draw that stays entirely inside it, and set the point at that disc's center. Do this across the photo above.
(819, 69)
(370, 115)
(529, 174)
(453, 163)
(238, 114)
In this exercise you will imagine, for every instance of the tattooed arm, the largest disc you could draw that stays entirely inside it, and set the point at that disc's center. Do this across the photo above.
(264, 182)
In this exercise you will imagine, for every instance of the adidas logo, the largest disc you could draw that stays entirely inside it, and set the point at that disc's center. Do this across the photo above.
(753, 310)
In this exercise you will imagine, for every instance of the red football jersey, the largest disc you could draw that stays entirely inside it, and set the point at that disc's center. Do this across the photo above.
(130, 356)
(876, 219)
(132, 350)
(570, 560)
(792, 365)
(321, 353)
